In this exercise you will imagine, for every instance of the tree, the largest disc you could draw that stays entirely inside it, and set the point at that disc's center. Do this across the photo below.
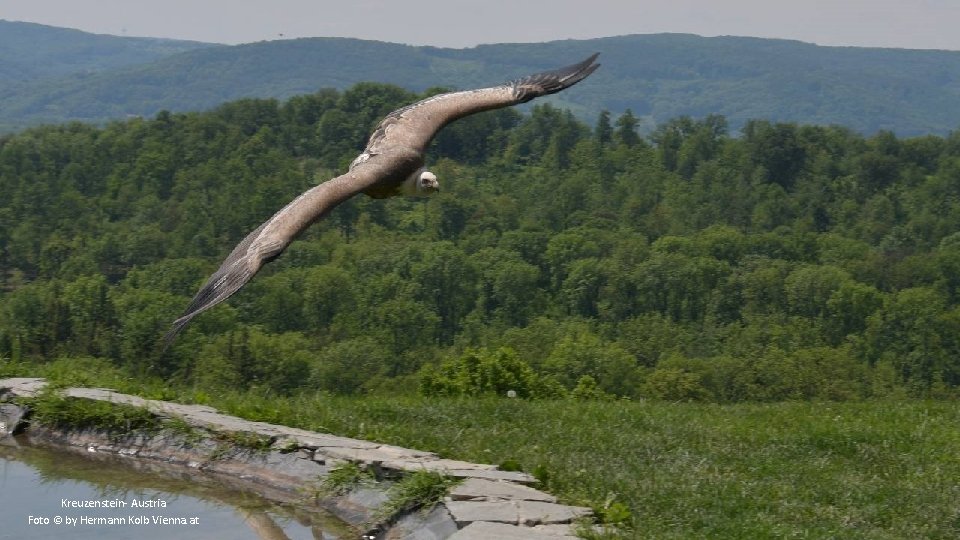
(603, 132)
(144, 316)
(248, 358)
(810, 288)
(777, 149)
(669, 138)
(449, 216)
(328, 295)
(509, 289)
(582, 286)
(575, 356)
(347, 367)
(626, 129)
(701, 145)
(446, 284)
(910, 331)
(566, 247)
(91, 315)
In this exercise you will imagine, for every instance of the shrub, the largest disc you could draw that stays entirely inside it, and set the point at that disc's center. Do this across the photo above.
(479, 372)
(671, 384)
(587, 389)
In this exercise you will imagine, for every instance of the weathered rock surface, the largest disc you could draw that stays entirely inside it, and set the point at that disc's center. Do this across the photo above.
(434, 525)
(482, 489)
(21, 386)
(489, 505)
(482, 530)
(514, 512)
(11, 419)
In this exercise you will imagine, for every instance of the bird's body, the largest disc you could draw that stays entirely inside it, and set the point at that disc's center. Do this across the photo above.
(390, 165)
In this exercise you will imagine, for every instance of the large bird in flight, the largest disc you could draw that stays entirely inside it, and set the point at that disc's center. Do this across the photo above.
(391, 165)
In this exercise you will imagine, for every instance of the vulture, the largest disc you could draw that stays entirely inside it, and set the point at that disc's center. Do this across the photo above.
(392, 164)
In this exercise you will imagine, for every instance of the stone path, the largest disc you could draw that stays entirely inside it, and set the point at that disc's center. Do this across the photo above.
(489, 505)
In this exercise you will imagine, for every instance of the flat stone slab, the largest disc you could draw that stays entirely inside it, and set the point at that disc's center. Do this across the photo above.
(514, 512)
(465, 512)
(557, 531)
(483, 489)
(538, 512)
(386, 455)
(22, 386)
(437, 465)
(482, 530)
(319, 441)
(492, 474)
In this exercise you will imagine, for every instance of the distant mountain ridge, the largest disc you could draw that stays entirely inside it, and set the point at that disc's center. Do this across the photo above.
(658, 76)
(30, 51)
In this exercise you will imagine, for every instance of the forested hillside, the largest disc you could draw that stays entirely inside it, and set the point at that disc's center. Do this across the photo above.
(658, 77)
(30, 52)
(790, 262)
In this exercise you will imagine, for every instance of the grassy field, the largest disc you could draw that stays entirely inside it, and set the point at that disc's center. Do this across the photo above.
(879, 469)
(874, 469)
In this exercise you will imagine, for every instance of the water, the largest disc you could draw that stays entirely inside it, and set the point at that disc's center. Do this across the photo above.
(46, 494)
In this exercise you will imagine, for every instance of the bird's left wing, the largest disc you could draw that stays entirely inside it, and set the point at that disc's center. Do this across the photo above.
(415, 125)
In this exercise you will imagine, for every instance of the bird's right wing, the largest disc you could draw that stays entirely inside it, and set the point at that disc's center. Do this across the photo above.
(273, 236)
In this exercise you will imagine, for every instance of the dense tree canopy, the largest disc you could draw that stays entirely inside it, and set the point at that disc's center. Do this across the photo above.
(787, 262)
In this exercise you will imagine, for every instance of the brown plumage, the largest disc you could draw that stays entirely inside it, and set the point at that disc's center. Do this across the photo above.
(391, 165)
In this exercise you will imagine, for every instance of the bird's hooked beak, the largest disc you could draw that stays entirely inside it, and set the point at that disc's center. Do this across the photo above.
(428, 183)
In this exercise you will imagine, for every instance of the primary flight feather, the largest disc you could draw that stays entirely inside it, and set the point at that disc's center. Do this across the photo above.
(390, 165)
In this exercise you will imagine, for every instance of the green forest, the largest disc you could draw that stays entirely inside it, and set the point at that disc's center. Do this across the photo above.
(560, 260)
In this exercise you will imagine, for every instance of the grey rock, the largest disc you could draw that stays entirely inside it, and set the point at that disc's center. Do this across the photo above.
(434, 525)
(538, 512)
(22, 386)
(363, 455)
(397, 452)
(557, 531)
(435, 464)
(360, 505)
(481, 530)
(11, 419)
(491, 474)
(483, 489)
(464, 512)
(288, 468)
(516, 512)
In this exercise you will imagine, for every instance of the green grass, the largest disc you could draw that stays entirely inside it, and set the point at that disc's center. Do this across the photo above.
(51, 409)
(876, 469)
(870, 469)
(418, 490)
(243, 440)
(342, 479)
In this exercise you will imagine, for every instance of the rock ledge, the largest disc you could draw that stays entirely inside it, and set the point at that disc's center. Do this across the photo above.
(489, 505)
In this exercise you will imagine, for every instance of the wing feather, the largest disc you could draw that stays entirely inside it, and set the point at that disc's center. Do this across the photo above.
(273, 236)
(414, 126)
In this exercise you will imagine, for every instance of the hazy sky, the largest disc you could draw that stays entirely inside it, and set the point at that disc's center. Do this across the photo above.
(460, 23)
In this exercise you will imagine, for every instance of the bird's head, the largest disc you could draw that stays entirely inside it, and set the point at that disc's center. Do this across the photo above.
(427, 184)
